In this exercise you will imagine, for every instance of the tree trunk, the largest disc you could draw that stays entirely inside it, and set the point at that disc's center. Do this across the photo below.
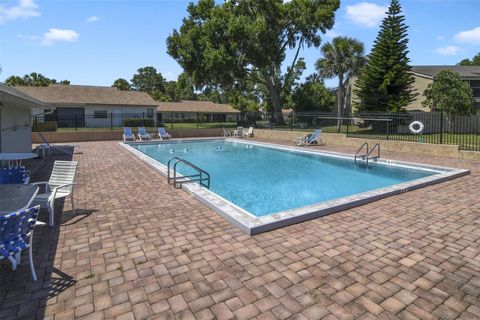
(339, 102)
(273, 85)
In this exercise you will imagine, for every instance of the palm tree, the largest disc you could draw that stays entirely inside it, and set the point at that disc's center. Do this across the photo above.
(342, 58)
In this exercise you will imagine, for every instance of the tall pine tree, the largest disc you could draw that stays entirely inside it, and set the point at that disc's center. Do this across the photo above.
(385, 83)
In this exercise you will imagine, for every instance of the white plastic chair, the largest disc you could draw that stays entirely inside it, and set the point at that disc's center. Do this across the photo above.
(309, 139)
(238, 133)
(249, 133)
(59, 186)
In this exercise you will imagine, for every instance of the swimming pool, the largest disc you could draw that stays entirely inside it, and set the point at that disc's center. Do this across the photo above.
(264, 180)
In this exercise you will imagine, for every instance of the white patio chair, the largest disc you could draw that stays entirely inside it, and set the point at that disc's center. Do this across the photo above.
(238, 133)
(249, 133)
(59, 186)
(312, 138)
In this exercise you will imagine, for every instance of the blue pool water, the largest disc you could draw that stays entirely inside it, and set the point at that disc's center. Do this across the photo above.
(265, 180)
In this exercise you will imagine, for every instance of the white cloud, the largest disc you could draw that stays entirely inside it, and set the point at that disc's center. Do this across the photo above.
(448, 50)
(331, 34)
(92, 19)
(367, 14)
(440, 38)
(469, 36)
(58, 35)
(24, 9)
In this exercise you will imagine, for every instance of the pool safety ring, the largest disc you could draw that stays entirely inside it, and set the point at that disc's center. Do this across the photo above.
(414, 124)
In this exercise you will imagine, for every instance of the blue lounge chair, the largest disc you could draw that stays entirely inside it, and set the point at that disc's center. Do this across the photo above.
(309, 139)
(16, 233)
(142, 134)
(128, 134)
(163, 134)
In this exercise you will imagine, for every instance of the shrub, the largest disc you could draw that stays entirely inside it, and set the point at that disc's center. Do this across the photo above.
(45, 126)
(138, 122)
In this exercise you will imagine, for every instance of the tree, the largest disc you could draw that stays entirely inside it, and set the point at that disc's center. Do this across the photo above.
(385, 83)
(312, 95)
(342, 58)
(448, 93)
(149, 80)
(247, 40)
(33, 79)
(122, 84)
(474, 62)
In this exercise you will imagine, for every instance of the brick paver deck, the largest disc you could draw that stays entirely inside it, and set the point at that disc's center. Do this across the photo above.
(140, 249)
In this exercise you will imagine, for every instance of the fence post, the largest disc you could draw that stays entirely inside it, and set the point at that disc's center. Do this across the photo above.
(348, 124)
(111, 121)
(171, 120)
(75, 122)
(197, 120)
(441, 127)
(388, 128)
(143, 118)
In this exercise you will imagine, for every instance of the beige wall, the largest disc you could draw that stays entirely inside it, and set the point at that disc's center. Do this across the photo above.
(15, 134)
(64, 137)
(420, 84)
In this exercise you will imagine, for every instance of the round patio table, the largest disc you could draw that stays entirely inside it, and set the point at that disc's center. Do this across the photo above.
(15, 197)
(14, 157)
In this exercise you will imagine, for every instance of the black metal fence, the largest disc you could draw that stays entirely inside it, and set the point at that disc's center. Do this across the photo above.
(438, 127)
(112, 121)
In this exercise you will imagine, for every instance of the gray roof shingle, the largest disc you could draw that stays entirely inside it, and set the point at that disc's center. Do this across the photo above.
(195, 106)
(79, 94)
(464, 71)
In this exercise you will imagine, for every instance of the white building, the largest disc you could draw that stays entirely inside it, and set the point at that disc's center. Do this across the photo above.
(91, 106)
(188, 110)
(16, 119)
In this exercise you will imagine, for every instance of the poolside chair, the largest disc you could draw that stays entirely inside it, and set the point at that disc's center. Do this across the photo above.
(59, 186)
(143, 134)
(238, 133)
(62, 148)
(163, 134)
(14, 175)
(128, 134)
(16, 234)
(249, 133)
(309, 139)
(226, 133)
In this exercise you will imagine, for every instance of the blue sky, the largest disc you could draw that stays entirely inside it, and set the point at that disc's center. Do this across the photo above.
(97, 41)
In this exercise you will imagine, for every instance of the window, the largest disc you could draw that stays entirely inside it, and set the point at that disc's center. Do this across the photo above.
(100, 114)
(475, 85)
(150, 113)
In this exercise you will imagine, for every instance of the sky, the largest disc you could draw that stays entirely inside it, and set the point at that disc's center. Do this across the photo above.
(94, 42)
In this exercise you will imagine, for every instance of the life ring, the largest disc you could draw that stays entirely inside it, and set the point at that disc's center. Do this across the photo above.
(412, 129)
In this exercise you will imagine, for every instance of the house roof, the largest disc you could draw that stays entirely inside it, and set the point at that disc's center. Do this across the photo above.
(10, 95)
(58, 94)
(195, 106)
(432, 71)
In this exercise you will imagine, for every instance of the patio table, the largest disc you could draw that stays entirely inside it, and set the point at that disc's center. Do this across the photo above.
(15, 197)
(13, 157)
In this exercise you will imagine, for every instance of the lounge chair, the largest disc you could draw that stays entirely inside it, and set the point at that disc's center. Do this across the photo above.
(128, 134)
(143, 134)
(226, 133)
(16, 233)
(63, 148)
(309, 139)
(163, 134)
(59, 186)
(249, 133)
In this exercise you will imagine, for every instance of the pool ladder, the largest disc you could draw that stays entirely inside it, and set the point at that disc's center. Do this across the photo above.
(368, 153)
(202, 176)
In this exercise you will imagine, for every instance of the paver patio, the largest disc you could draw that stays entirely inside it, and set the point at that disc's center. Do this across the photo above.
(138, 249)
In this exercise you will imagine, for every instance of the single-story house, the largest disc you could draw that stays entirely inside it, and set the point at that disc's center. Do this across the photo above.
(423, 77)
(91, 106)
(187, 110)
(16, 119)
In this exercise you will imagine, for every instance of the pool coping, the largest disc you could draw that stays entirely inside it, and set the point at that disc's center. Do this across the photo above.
(252, 225)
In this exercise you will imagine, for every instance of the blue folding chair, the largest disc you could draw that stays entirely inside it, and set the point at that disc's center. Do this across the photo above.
(16, 234)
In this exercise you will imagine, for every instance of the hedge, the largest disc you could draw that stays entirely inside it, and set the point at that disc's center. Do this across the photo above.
(138, 122)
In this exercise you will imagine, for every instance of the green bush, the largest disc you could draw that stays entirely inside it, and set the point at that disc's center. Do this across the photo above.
(138, 122)
(45, 126)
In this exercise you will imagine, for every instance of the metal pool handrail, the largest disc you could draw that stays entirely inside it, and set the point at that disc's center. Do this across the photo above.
(178, 181)
(357, 155)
